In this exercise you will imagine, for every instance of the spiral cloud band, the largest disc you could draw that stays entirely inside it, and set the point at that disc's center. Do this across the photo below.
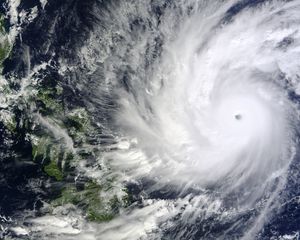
(216, 111)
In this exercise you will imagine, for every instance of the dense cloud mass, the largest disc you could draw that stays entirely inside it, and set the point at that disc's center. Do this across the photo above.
(197, 105)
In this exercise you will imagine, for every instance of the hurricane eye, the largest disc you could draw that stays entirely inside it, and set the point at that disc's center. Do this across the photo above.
(238, 116)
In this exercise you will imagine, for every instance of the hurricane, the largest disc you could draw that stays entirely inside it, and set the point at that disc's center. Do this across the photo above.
(193, 109)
